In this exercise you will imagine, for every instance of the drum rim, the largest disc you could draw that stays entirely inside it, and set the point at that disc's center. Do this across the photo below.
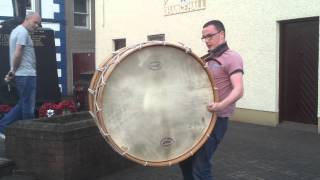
(97, 115)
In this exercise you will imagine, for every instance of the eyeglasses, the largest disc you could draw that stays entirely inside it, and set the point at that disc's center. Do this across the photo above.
(209, 36)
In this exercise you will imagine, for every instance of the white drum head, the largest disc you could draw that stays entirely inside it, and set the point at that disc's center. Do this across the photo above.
(153, 104)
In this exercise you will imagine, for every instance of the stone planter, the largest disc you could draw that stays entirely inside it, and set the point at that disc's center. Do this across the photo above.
(62, 148)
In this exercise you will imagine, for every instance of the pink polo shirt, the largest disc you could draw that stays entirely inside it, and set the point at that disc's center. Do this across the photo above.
(222, 67)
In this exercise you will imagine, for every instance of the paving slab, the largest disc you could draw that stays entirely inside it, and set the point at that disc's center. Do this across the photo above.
(248, 152)
(251, 152)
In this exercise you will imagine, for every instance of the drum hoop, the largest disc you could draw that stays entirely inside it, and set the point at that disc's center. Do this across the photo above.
(95, 104)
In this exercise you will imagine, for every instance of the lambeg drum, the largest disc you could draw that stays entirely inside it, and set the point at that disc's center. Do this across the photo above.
(149, 102)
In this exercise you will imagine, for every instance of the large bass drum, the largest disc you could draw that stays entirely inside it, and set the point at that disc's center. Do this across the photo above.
(149, 102)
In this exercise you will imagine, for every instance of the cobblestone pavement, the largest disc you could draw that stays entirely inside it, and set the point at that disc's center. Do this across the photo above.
(248, 152)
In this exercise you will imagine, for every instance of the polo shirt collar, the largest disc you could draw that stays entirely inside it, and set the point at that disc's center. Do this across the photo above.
(218, 51)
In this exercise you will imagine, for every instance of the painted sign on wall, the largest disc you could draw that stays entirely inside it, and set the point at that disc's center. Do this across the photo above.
(172, 7)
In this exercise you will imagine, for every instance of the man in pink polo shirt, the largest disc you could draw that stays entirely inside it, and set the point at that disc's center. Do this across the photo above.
(226, 67)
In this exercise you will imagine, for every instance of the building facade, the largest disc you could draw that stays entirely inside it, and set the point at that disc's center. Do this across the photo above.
(73, 25)
(265, 33)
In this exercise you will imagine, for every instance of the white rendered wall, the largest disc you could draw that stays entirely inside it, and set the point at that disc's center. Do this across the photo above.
(6, 8)
(48, 8)
(252, 29)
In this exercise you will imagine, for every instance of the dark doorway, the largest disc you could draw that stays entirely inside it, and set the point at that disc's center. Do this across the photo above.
(299, 47)
(83, 70)
(82, 63)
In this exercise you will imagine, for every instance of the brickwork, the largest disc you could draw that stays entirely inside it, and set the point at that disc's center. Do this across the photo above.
(62, 148)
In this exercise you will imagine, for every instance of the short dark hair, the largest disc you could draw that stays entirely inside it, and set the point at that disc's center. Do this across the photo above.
(216, 23)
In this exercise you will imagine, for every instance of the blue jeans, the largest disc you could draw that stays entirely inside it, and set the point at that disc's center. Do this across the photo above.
(199, 166)
(24, 109)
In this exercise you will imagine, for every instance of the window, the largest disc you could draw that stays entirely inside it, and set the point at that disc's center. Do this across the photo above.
(22, 8)
(30, 6)
(119, 43)
(156, 37)
(81, 13)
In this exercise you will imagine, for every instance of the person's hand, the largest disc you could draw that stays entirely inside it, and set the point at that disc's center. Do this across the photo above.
(214, 107)
(9, 76)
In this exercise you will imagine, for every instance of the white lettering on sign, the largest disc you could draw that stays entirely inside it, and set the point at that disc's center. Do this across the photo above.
(183, 6)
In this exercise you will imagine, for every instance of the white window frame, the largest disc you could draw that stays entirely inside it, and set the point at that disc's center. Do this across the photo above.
(33, 6)
(88, 15)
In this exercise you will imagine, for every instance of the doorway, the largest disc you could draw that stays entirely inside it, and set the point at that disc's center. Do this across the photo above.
(82, 63)
(299, 54)
(83, 70)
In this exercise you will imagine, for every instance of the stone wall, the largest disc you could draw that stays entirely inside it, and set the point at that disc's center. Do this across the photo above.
(62, 148)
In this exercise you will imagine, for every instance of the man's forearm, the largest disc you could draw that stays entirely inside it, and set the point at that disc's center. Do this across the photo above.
(17, 57)
(16, 63)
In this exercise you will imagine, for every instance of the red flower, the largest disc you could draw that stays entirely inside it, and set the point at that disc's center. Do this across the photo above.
(4, 108)
(43, 110)
(67, 105)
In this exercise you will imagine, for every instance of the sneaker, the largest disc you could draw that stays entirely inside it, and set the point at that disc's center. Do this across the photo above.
(2, 136)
